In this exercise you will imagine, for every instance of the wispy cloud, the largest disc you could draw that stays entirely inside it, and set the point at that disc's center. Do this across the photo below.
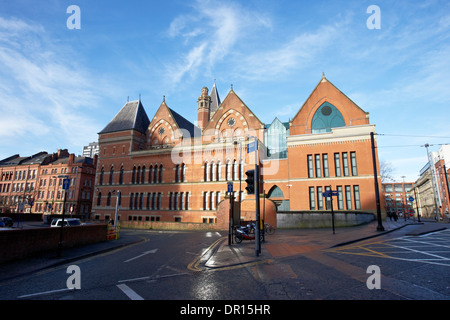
(43, 90)
(209, 35)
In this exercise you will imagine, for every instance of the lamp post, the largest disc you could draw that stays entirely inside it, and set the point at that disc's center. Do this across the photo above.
(377, 191)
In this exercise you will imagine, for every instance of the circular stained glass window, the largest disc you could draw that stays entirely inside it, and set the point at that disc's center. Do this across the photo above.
(326, 110)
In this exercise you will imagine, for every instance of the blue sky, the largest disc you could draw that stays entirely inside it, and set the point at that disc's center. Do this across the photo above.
(59, 87)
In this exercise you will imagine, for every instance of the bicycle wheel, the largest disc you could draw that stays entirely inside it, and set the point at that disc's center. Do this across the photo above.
(270, 230)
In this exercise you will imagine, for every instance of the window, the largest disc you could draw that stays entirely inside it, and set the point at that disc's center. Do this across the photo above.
(353, 162)
(337, 164)
(318, 166)
(319, 198)
(340, 198)
(356, 196)
(177, 173)
(325, 165)
(206, 177)
(348, 197)
(326, 117)
(111, 176)
(121, 175)
(345, 163)
(160, 173)
(312, 199)
(310, 167)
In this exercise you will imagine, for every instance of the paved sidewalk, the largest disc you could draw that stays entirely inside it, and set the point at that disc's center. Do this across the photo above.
(290, 242)
(284, 242)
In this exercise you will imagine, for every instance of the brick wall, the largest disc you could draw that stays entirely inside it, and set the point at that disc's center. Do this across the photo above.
(17, 244)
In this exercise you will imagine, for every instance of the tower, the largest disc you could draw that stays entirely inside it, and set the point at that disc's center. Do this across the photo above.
(204, 105)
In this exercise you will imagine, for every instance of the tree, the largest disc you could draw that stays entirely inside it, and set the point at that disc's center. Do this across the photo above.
(386, 171)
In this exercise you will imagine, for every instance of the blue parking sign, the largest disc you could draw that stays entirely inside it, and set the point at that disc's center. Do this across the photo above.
(66, 184)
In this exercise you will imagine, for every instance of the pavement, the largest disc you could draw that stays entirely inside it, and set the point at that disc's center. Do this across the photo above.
(283, 243)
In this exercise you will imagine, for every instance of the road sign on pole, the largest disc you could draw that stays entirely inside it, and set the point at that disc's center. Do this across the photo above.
(252, 146)
(230, 187)
(410, 199)
(66, 184)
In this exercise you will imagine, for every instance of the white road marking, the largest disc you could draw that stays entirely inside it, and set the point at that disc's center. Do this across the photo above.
(129, 292)
(43, 293)
(141, 255)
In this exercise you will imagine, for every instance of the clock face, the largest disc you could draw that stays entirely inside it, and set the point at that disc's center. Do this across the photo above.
(231, 122)
(161, 130)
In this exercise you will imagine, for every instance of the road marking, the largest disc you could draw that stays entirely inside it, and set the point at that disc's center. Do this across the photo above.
(129, 292)
(141, 255)
(43, 293)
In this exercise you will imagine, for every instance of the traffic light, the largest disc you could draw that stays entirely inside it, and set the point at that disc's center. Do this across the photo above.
(250, 181)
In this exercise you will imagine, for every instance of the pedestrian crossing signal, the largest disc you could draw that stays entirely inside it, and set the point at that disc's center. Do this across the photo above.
(250, 181)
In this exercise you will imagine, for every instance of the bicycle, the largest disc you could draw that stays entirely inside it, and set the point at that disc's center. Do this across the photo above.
(269, 229)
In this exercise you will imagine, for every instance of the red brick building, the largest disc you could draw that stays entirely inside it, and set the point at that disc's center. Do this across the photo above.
(168, 169)
(34, 184)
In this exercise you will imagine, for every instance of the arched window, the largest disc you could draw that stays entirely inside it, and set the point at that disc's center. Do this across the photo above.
(133, 176)
(213, 172)
(121, 175)
(150, 174)
(219, 171)
(325, 118)
(111, 176)
(102, 173)
(228, 170)
(99, 198)
(138, 175)
(143, 175)
(183, 172)
(206, 175)
(177, 173)
(160, 173)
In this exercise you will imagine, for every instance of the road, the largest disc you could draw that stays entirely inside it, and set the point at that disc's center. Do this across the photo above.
(159, 269)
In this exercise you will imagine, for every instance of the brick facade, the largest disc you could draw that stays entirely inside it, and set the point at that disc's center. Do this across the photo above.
(168, 169)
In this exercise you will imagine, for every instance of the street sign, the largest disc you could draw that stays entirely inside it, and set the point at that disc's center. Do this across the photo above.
(66, 184)
(252, 146)
(330, 193)
(410, 199)
(230, 187)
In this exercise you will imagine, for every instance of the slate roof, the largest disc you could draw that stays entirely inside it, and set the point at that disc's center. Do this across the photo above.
(131, 116)
(215, 100)
(185, 124)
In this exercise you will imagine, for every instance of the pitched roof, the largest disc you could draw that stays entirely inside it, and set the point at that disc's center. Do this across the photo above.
(185, 124)
(215, 100)
(131, 117)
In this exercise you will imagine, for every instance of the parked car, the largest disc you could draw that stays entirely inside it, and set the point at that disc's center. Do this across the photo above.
(6, 221)
(68, 222)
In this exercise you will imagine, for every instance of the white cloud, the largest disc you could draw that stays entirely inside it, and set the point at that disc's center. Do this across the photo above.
(209, 35)
(44, 94)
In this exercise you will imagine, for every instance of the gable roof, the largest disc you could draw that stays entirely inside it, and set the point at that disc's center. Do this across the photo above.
(185, 124)
(215, 100)
(131, 117)
(180, 121)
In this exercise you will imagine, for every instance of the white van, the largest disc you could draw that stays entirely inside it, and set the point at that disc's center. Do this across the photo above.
(68, 222)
